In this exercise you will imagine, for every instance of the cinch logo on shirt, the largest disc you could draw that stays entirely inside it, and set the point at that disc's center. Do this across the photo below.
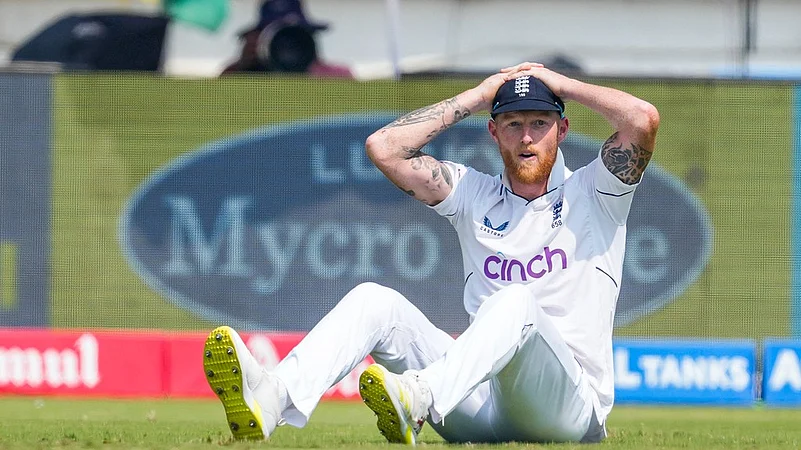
(514, 270)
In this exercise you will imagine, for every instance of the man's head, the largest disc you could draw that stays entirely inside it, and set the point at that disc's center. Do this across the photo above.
(528, 124)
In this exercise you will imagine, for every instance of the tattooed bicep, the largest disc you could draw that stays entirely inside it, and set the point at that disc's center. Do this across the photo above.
(423, 177)
(431, 171)
(624, 159)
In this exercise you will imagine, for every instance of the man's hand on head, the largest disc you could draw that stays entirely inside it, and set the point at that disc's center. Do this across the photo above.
(520, 67)
(488, 88)
(556, 82)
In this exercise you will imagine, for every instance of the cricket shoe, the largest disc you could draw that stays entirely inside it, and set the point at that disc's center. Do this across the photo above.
(249, 394)
(400, 402)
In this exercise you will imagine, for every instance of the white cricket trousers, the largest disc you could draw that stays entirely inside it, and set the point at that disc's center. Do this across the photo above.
(509, 376)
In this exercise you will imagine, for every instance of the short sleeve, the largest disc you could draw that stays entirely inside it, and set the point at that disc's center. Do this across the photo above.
(613, 195)
(452, 205)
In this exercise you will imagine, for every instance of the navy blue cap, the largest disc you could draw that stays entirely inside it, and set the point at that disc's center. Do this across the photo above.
(288, 12)
(526, 94)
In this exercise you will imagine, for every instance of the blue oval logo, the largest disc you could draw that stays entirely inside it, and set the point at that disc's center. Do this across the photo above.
(269, 229)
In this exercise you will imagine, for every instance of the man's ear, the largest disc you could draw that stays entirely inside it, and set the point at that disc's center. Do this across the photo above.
(564, 125)
(493, 130)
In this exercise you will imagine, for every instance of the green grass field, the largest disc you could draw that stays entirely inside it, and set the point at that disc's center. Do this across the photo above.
(38, 423)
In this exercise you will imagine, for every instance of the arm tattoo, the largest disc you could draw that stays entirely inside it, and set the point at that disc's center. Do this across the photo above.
(436, 172)
(434, 119)
(439, 172)
(410, 152)
(446, 174)
(625, 160)
(437, 112)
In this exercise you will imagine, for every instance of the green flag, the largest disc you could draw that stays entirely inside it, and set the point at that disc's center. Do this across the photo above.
(208, 14)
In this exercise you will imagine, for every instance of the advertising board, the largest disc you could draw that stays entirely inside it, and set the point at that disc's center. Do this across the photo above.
(685, 372)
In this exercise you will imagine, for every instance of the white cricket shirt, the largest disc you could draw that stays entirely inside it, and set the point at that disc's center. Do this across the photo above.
(567, 246)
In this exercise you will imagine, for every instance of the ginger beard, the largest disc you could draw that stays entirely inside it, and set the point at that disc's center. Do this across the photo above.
(528, 142)
(529, 171)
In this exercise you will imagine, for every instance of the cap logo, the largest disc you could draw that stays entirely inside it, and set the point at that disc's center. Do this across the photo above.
(521, 86)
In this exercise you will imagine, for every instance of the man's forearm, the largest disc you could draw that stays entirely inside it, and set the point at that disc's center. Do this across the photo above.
(405, 136)
(627, 152)
(625, 112)
(396, 148)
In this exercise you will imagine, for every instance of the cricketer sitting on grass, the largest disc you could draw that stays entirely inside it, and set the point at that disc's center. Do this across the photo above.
(543, 260)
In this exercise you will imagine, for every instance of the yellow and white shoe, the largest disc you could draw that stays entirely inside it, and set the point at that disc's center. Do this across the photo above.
(400, 402)
(247, 392)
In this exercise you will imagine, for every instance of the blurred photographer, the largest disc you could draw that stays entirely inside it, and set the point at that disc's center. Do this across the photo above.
(284, 41)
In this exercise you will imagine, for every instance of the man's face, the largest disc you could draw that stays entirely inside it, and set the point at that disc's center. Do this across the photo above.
(528, 143)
